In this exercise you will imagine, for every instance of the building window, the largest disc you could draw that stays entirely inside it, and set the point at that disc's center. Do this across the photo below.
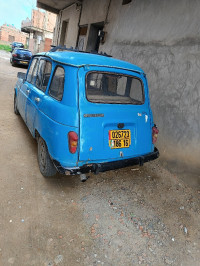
(11, 38)
(125, 2)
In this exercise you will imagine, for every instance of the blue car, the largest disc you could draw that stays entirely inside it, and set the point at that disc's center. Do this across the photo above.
(88, 112)
(16, 45)
(20, 56)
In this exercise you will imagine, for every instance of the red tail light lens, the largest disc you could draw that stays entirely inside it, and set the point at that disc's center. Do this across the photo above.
(14, 55)
(155, 132)
(73, 141)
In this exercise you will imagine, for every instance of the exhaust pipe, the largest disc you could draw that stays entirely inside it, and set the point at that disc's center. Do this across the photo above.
(83, 177)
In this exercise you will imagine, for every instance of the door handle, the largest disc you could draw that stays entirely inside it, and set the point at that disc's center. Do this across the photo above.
(37, 99)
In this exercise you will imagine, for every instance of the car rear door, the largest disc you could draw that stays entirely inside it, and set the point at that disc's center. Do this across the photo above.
(115, 118)
(37, 91)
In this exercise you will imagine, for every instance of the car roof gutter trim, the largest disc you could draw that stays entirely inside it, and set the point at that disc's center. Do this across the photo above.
(93, 65)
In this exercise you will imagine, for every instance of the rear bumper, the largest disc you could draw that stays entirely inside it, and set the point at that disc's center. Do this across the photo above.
(107, 166)
(18, 61)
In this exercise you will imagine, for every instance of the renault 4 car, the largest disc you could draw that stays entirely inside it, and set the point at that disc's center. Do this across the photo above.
(88, 112)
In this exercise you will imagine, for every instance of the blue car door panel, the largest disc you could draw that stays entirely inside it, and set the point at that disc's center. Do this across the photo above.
(22, 96)
(37, 91)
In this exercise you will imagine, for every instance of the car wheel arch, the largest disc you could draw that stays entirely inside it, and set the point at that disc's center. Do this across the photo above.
(46, 165)
(37, 135)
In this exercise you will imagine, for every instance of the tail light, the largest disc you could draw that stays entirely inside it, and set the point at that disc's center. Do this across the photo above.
(154, 134)
(14, 55)
(73, 141)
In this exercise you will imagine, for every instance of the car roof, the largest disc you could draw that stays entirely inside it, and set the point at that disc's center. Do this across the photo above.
(18, 48)
(17, 43)
(79, 59)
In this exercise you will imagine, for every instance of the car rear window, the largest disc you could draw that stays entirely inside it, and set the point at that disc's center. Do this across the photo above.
(27, 52)
(103, 87)
(18, 44)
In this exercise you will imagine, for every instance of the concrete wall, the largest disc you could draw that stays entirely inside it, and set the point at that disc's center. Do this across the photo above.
(71, 16)
(93, 11)
(33, 46)
(162, 37)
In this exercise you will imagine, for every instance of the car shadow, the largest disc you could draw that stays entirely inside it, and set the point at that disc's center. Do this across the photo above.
(21, 66)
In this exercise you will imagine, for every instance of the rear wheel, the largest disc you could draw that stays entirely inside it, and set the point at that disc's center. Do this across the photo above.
(15, 105)
(45, 163)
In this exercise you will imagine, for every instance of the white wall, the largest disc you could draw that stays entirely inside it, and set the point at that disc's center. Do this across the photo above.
(93, 11)
(71, 15)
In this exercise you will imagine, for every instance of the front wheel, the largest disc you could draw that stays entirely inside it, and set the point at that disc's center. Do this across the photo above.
(46, 166)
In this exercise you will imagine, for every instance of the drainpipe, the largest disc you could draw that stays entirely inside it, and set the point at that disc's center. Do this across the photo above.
(79, 25)
(59, 29)
(106, 19)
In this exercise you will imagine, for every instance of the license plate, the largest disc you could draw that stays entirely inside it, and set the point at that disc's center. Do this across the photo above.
(119, 139)
(23, 62)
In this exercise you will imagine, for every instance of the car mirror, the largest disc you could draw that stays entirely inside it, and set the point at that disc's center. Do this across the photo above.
(21, 75)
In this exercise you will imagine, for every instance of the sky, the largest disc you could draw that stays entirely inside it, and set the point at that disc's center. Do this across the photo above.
(14, 11)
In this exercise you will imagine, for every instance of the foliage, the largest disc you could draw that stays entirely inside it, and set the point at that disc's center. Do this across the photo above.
(5, 47)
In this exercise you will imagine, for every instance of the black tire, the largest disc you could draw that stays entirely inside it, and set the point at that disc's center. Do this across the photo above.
(15, 105)
(46, 166)
(12, 63)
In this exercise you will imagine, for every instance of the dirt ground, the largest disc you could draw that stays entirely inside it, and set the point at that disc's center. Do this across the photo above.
(133, 216)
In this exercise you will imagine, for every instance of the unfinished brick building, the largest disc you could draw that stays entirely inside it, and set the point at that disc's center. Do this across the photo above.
(40, 29)
(9, 34)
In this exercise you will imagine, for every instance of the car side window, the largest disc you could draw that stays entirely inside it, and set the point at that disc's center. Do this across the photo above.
(135, 91)
(34, 74)
(44, 72)
(57, 84)
(32, 70)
